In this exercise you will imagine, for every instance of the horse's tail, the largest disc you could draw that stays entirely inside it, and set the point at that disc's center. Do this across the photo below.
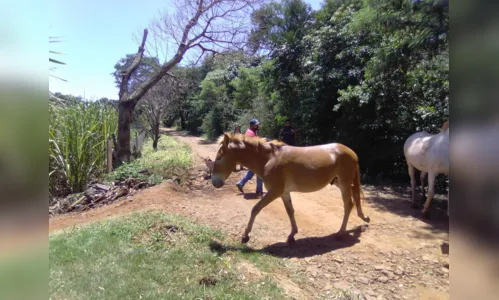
(356, 189)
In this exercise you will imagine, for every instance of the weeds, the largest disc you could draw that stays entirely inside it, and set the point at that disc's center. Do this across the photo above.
(172, 159)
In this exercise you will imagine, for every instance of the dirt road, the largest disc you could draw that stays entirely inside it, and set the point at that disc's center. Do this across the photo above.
(398, 256)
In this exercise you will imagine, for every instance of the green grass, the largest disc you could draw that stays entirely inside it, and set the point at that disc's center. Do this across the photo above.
(172, 159)
(152, 255)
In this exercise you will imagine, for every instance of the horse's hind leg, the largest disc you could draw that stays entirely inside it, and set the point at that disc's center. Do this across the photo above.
(269, 197)
(412, 174)
(431, 192)
(346, 194)
(422, 177)
(286, 198)
(360, 213)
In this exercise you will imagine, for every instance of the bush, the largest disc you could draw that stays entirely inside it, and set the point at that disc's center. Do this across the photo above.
(172, 159)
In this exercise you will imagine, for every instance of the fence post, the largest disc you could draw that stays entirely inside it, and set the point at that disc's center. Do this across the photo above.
(109, 156)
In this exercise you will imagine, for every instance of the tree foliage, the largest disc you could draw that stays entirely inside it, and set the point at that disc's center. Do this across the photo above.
(146, 68)
(365, 73)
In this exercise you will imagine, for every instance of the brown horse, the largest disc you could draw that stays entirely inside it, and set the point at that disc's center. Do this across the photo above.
(285, 169)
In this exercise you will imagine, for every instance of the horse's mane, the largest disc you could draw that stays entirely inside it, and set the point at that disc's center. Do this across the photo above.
(254, 141)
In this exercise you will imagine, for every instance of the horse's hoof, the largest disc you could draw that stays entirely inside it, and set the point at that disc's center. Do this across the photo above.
(245, 239)
(367, 219)
(291, 239)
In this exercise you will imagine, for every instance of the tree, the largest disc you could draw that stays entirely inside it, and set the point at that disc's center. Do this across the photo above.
(201, 26)
(155, 106)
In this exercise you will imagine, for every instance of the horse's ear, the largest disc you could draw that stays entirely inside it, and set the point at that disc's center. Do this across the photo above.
(226, 139)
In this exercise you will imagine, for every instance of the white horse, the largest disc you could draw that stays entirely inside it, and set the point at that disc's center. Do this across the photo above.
(430, 154)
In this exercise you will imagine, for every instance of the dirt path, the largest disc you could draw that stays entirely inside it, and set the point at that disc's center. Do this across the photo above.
(397, 257)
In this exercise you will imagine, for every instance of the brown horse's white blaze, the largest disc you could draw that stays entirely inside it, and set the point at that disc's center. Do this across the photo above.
(285, 169)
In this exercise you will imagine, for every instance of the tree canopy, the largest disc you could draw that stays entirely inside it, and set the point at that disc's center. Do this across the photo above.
(365, 73)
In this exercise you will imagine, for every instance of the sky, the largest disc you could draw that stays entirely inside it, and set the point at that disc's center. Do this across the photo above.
(96, 34)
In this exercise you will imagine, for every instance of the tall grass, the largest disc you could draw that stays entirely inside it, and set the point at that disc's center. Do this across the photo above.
(77, 144)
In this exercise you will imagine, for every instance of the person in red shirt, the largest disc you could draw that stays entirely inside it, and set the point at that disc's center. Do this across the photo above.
(252, 131)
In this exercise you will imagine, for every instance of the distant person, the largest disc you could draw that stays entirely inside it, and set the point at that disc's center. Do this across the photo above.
(237, 129)
(288, 134)
(252, 131)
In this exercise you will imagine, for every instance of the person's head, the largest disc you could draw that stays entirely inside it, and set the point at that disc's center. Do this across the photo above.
(287, 123)
(237, 128)
(254, 124)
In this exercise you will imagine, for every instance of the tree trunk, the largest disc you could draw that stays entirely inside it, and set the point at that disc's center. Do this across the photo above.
(156, 137)
(182, 121)
(125, 111)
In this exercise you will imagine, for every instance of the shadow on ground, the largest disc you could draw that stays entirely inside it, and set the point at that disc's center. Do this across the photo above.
(251, 196)
(207, 142)
(397, 201)
(305, 247)
(185, 133)
(176, 133)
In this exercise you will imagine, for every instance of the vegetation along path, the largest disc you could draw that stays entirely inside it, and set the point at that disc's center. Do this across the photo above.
(398, 255)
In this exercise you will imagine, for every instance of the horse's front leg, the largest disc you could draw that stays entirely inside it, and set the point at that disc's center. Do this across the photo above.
(286, 198)
(431, 192)
(271, 195)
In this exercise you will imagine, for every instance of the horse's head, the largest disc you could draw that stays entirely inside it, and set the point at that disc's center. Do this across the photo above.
(225, 162)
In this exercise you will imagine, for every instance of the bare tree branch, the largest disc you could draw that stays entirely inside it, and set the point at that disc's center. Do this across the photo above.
(125, 75)
(197, 27)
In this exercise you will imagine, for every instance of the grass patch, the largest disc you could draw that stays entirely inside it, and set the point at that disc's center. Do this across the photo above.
(172, 159)
(151, 255)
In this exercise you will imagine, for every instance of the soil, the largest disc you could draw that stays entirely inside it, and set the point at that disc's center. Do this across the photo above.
(398, 255)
